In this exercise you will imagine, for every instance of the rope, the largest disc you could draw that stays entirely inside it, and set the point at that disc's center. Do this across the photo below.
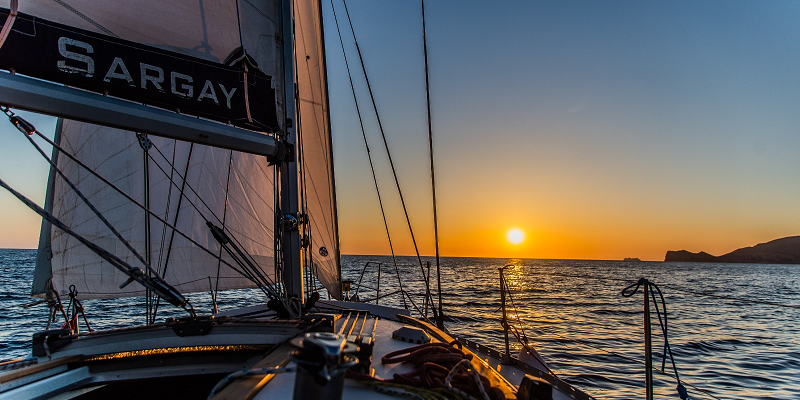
(177, 211)
(389, 156)
(245, 257)
(440, 365)
(86, 18)
(9, 23)
(733, 298)
(440, 320)
(524, 338)
(400, 390)
(135, 274)
(128, 197)
(630, 291)
(369, 154)
(77, 307)
(27, 129)
(465, 365)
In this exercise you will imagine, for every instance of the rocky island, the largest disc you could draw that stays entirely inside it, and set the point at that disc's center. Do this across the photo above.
(779, 251)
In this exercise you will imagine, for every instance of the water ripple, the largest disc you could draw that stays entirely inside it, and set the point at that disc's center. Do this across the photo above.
(570, 310)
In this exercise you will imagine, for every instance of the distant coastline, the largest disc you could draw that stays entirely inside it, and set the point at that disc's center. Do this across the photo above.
(779, 251)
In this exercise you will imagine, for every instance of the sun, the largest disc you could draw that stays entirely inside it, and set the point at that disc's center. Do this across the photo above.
(515, 236)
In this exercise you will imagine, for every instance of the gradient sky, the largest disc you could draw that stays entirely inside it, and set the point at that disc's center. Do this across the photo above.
(603, 130)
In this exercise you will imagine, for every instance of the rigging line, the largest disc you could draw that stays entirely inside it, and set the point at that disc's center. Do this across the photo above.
(249, 257)
(85, 18)
(232, 238)
(277, 240)
(161, 261)
(252, 271)
(388, 153)
(369, 154)
(146, 193)
(389, 156)
(86, 201)
(178, 209)
(238, 25)
(135, 274)
(191, 189)
(524, 339)
(225, 209)
(673, 287)
(185, 184)
(166, 214)
(675, 376)
(246, 261)
(249, 274)
(433, 178)
(61, 150)
(516, 311)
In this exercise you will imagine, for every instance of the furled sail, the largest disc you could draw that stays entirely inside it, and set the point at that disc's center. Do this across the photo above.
(316, 179)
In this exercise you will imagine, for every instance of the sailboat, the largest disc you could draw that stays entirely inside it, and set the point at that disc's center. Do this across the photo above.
(193, 154)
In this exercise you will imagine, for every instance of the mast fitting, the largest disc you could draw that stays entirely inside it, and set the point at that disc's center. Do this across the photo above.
(284, 152)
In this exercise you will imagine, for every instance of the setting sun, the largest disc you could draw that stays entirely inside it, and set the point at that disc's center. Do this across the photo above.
(515, 236)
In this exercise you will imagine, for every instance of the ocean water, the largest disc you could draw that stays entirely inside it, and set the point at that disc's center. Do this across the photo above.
(733, 328)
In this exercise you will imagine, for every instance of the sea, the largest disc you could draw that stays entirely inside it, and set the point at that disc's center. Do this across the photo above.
(733, 329)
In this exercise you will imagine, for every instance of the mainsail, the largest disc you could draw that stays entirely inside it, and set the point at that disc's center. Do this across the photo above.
(216, 60)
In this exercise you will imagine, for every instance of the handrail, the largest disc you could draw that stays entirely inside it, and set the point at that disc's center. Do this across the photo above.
(404, 294)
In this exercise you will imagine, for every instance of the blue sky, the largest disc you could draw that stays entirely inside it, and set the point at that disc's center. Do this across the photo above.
(601, 129)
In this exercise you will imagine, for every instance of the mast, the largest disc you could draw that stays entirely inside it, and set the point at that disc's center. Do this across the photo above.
(289, 195)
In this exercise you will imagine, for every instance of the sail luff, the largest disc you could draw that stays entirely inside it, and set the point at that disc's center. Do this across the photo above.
(319, 201)
(43, 273)
(334, 206)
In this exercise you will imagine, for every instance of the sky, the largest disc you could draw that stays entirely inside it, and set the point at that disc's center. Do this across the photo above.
(601, 130)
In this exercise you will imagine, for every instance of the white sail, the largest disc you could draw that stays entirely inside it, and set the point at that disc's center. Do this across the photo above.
(229, 189)
(221, 61)
(316, 180)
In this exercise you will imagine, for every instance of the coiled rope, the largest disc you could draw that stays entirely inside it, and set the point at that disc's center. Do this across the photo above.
(436, 366)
